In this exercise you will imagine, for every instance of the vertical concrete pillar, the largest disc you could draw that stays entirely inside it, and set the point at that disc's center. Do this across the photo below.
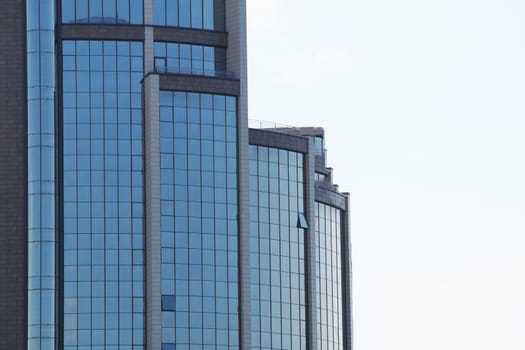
(236, 62)
(148, 12)
(152, 188)
(346, 243)
(149, 64)
(13, 175)
(311, 242)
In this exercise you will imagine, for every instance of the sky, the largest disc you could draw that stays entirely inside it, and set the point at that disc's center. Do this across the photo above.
(423, 105)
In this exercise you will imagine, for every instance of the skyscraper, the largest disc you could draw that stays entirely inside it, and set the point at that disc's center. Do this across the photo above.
(138, 209)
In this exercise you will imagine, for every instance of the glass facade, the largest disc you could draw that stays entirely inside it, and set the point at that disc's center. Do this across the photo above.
(329, 279)
(184, 58)
(86, 202)
(103, 195)
(199, 225)
(102, 11)
(41, 204)
(196, 14)
(277, 249)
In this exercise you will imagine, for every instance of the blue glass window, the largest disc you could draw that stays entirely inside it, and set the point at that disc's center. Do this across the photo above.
(198, 222)
(186, 59)
(41, 269)
(329, 279)
(102, 11)
(196, 14)
(301, 221)
(168, 303)
(277, 249)
(103, 195)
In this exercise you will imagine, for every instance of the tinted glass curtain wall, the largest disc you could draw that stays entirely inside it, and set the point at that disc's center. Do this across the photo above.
(277, 248)
(197, 14)
(329, 280)
(199, 225)
(102, 11)
(103, 195)
(153, 221)
(184, 58)
(41, 204)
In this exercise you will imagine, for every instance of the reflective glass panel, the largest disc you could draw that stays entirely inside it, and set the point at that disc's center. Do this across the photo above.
(41, 234)
(187, 59)
(329, 278)
(103, 195)
(102, 11)
(198, 222)
(277, 249)
(196, 14)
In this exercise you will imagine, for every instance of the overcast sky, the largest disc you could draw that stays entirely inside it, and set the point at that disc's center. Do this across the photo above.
(423, 104)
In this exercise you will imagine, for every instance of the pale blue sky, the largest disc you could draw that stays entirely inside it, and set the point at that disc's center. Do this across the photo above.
(423, 104)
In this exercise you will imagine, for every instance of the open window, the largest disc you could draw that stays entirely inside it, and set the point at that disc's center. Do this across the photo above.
(301, 221)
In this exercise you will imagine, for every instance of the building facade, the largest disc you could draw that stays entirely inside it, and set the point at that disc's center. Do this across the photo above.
(300, 249)
(139, 210)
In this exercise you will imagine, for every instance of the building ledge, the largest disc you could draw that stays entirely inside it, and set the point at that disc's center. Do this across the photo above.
(131, 32)
(135, 32)
(197, 83)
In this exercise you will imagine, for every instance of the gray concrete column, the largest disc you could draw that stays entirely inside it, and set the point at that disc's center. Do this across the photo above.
(244, 234)
(346, 243)
(152, 186)
(149, 64)
(236, 56)
(311, 242)
(236, 62)
(148, 12)
(13, 176)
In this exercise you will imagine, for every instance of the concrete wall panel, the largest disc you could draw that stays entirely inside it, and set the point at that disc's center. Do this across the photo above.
(12, 175)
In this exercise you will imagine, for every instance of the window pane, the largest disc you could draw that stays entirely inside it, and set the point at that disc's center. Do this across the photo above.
(196, 13)
(208, 14)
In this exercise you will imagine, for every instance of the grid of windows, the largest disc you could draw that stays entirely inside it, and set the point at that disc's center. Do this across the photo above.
(184, 58)
(103, 195)
(329, 281)
(102, 11)
(199, 225)
(197, 14)
(41, 174)
(277, 249)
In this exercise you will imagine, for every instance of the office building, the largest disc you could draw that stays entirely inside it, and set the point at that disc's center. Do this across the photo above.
(139, 210)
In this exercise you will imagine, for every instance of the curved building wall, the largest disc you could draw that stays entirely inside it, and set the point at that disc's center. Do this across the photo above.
(327, 268)
(143, 140)
(199, 224)
(196, 14)
(277, 248)
(41, 233)
(329, 277)
(184, 58)
(116, 234)
(103, 190)
(102, 11)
